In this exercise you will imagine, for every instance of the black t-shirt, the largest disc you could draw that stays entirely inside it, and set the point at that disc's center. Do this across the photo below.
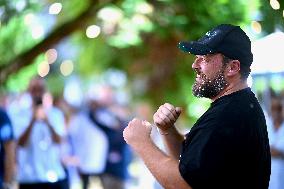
(228, 146)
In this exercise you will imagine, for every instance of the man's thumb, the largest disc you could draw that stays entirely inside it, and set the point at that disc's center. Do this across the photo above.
(147, 124)
(178, 110)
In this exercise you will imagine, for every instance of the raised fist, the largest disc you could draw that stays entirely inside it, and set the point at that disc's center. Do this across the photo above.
(166, 116)
(137, 132)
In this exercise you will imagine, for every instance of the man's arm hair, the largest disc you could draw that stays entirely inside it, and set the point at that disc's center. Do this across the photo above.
(173, 141)
(163, 167)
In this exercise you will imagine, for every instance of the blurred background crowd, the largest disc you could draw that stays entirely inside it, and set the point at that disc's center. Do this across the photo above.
(73, 73)
(59, 145)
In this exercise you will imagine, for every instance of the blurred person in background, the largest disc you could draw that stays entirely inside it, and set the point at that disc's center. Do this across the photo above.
(3, 99)
(144, 110)
(228, 146)
(112, 118)
(69, 160)
(39, 128)
(89, 145)
(7, 152)
(275, 125)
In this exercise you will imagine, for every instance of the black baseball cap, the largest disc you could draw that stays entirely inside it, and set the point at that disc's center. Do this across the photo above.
(226, 39)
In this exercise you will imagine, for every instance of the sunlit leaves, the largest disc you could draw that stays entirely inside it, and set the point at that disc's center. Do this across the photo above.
(15, 37)
(19, 82)
(125, 25)
(136, 36)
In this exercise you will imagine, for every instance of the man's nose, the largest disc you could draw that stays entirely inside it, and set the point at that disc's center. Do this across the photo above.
(196, 63)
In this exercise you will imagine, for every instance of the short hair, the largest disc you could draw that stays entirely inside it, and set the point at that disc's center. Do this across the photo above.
(244, 68)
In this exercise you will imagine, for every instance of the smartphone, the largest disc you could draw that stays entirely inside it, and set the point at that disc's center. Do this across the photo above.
(38, 101)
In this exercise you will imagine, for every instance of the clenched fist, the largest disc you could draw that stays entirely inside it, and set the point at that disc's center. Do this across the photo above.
(137, 133)
(166, 116)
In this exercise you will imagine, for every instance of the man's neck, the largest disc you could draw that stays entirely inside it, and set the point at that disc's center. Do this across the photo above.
(231, 88)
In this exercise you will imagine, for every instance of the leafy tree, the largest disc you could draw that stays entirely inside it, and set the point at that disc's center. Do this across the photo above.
(140, 39)
(269, 18)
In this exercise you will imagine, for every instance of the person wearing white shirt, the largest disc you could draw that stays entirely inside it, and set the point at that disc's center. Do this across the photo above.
(275, 126)
(90, 146)
(39, 128)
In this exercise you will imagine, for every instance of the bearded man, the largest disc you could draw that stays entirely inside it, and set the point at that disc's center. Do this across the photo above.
(227, 148)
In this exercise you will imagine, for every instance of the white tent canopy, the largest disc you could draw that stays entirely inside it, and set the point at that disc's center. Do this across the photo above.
(268, 54)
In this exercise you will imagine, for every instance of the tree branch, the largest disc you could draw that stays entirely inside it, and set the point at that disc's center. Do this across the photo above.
(66, 29)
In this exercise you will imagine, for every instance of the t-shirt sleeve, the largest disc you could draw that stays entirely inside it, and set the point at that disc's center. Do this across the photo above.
(201, 161)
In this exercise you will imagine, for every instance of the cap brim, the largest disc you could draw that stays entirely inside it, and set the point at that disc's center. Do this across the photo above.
(195, 48)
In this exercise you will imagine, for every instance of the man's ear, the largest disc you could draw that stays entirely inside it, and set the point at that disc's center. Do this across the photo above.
(233, 67)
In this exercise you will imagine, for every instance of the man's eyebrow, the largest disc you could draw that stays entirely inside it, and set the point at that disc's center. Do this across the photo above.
(209, 55)
(205, 56)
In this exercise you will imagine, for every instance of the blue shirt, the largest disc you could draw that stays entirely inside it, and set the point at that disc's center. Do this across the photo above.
(6, 134)
(39, 161)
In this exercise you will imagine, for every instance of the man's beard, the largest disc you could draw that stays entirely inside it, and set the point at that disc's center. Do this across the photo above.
(209, 88)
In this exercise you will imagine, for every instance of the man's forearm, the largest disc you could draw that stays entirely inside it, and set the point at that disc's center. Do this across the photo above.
(26, 135)
(163, 167)
(173, 141)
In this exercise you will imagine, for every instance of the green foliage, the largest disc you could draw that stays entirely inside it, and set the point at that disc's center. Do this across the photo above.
(269, 18)
(132, 23)
(95, 56)
(15, 38)
(19, 82)
(206, 14)
(277, 83)
(135, 42)
(187, 20)
(260, 84)
(71, 9)
(15, 8)
(55, 90)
